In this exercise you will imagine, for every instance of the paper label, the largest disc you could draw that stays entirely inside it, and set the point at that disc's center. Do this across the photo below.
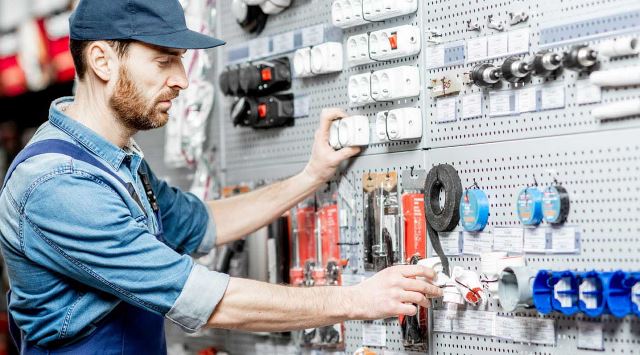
(440, 321)
(519, 41)
(435, 56)
(535, 240)
(501, 103)
(587, 287)
(565, 299)
(508, 239)
(471, 106)
(301, 106)
(527, 100)
(312, 35)
(283, 42)
(450, 242)
(590, 335)
(587, 93)
(474, 322)
(446, 110)
(498, 45)
(542, 331)
(260, 47)
(552, 97)
(374, 335)
(476, 49)
(564, 240)
(476, 243)
(512, 328)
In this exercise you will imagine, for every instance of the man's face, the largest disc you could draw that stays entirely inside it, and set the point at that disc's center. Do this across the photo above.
(149, 78)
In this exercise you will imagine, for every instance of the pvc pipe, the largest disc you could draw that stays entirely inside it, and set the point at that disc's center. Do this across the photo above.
(617, 110)
(616, 77)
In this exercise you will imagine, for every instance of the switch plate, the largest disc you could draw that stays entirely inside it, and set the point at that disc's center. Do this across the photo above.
(405, 39)
(395, 83)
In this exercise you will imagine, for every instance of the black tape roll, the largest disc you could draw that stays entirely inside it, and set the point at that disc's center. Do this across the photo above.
(565, 205)
(442, 219)
(443, 177)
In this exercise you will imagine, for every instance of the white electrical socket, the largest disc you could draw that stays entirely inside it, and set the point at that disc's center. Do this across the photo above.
(395, 83)
(327, 58)
(347, 13)
(358, 50)
(359, 89)
(399, 124)
(302, 63)
(350, 131)
(396, 42)
(378, 10)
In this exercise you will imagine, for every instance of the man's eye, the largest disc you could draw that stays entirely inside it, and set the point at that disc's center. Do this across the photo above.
(163, 61)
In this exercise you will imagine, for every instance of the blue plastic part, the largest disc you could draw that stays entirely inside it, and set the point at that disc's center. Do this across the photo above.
(634, 282)
(543, 292)
(474, 210)
(529, 206)
(599, 295)
(572, 292)
(618, 293)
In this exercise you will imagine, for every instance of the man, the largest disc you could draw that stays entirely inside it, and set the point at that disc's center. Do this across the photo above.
(97, 247)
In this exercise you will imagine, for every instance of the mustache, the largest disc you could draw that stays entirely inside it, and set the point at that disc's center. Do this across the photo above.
(168, 96)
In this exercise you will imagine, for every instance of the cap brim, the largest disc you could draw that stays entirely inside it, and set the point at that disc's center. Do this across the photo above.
(186, 39)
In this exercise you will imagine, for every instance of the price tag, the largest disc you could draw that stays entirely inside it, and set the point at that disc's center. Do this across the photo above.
(435, 56)
(476, 49)
(508, 239)
(498, 45)
(587, 93)
(519, 41)
(312, 35)
(301, 106)
(450, 242)
(535, 240)
(471, 106)
(476, 243)
(527, 100)
(474, 322)
(440, 322)
(283, 42)
(552, 97)
(590, 335)
(374, 335)
(446, 110)
(501, 103)
(564, 240)
(542, 331)
(512, 328)
(260, 47)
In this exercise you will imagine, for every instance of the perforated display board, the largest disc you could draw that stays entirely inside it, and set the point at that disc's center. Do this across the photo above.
(504, 138)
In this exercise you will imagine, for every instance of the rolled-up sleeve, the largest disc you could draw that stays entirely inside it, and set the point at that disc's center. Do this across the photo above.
(188, 224)
(78, 226)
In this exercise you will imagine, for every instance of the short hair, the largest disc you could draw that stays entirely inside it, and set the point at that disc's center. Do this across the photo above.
(78, 52)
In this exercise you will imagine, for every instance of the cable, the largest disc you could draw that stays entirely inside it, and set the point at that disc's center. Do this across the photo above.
(442, 219)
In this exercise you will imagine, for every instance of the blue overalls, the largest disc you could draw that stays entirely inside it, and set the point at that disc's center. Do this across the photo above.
(127, 329)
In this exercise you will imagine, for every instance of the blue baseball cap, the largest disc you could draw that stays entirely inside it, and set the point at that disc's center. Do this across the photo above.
(156, 22)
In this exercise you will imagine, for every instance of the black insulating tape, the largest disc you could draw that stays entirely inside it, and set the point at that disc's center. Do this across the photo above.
(565, 204)
(442, 177)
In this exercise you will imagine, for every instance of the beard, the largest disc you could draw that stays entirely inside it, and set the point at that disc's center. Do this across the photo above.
(133, 110)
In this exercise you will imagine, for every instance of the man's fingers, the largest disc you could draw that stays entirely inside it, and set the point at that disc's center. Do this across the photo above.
(416, 270)
(421, 286)
(413, 297)
(348, 152)
(407, 310)
(327, 116)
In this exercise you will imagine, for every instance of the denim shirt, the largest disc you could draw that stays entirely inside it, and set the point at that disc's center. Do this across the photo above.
(76, 243)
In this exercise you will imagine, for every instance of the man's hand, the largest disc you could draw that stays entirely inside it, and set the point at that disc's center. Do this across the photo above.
(324, 159)
(394, 291)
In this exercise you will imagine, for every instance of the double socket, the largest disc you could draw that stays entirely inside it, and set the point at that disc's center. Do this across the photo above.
(399, 124)
(388, 44)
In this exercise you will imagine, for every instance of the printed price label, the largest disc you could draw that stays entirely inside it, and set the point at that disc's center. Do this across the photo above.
(564, 240)
(498, 45)
(440, 322)
(475, 322)
(374, 335)
(587, 93)
(590, 335)
(476, 243)
(283, 42)
(260, 47)
(435, 56)
(312, 35)
(535, 240)
(471, 106)
(527, 100)
(501, 103)
(476, 49)
(552, 97)
(508, 239)
(519, 41)
(450, 242)
(446, 110)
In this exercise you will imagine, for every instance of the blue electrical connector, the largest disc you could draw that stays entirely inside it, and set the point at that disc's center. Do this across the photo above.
(618, 293)
(565, 292)
(543, 292)
(634, 283)
(594, 288)
(474, 210)
(529, 206)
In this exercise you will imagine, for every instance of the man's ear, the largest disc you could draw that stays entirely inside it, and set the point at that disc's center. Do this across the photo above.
(101, 60)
